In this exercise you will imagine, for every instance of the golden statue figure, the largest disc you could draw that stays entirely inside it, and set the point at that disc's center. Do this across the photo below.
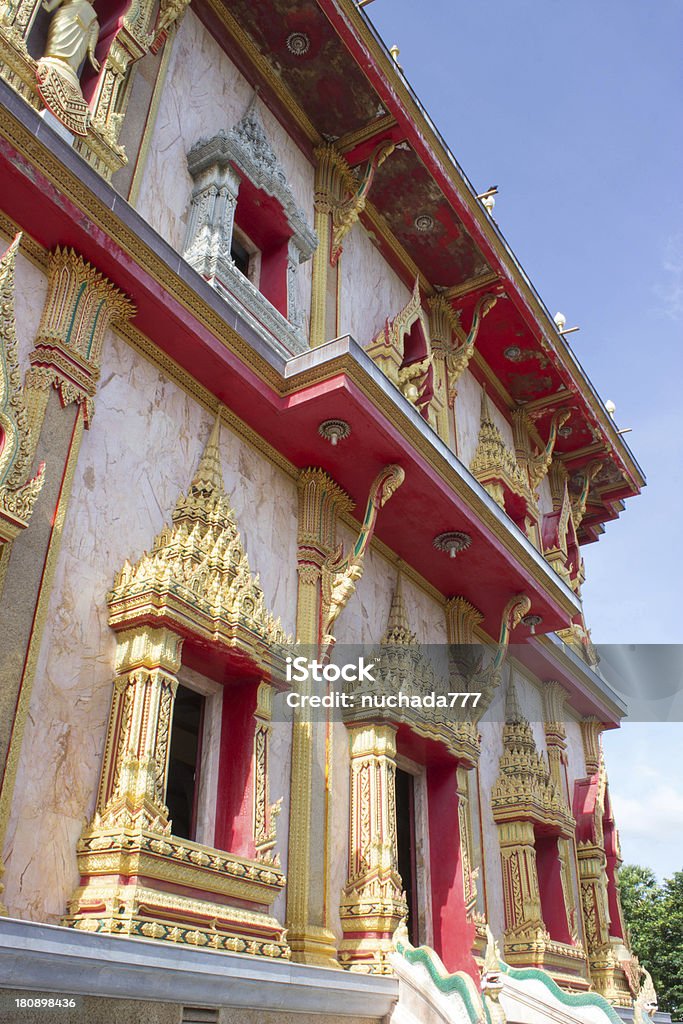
(73, 33)
(72, 36)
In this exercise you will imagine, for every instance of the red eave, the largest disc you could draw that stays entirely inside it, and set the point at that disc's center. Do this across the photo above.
(382, 74)
(285, 408)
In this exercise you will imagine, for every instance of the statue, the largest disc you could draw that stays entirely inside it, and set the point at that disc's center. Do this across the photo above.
(72, 36)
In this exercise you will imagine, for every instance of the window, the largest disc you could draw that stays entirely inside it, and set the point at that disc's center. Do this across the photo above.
(184, 762)
(246, 256)
(406, 842)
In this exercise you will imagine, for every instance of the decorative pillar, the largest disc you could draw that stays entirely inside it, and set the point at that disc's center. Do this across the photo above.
(18, 494)
(462, 620)
(295, 313)
(332, 179)
(132, 790)
(442, 321)
(327, 580)
(321, 502)
(265, 813)
(373, 903)
(521, 895)
(554, 705)
(57, 404)
(212, 209)
(591, 729)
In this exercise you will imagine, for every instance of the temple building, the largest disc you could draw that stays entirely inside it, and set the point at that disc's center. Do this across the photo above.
(271, 382)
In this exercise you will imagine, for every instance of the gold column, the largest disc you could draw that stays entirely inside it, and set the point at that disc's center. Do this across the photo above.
(554, 704)
(264, 812)
(321, 502)
(332, 177)
(373, 900)
(521, 895)
(65, 362)
(462, 620)
(441, 325)
(132, 790)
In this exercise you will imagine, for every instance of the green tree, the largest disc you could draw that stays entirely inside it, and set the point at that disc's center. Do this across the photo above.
(654, 915)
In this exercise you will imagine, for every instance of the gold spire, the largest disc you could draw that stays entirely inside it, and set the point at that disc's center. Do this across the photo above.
(513, 713)
(209, 476)
(398, 628)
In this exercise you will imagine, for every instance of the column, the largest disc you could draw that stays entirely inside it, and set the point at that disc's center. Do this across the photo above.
(132, 790)
(59, 398)
(212, 209)
(373, 903)
(331, 178)
(321, 502)
(521, 896)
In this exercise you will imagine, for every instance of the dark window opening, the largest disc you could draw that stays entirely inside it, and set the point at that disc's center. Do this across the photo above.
(240, 256)
(183, 764)
(405, 839)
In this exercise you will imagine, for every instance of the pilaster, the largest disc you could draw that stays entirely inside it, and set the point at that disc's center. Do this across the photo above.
(58, 396)
(373, 903)
(332, 179)
(321, 502)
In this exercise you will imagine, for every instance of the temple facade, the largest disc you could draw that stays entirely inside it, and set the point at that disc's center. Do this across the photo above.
(273, 386)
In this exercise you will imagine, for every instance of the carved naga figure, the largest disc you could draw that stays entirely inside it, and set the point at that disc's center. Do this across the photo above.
(457, 360)
(646, 1002)
(491, 984)
(540, 463)
(341, 573)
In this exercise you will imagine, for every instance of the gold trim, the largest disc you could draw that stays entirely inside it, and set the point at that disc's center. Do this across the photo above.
(457, 291)
(352, 139)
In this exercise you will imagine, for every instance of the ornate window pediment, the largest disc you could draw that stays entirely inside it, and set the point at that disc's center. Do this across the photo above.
(193, 591)
(240, 183)
(403, 351)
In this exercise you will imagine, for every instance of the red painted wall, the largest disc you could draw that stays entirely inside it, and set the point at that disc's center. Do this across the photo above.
(550, 884)
(234, 804)
(453, 934)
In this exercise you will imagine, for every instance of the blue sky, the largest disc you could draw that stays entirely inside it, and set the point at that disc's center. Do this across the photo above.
(573, 110)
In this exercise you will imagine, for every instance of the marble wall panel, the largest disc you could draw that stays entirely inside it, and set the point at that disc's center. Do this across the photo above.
(371, 292)
(365, 618)
(30, 291)
(576, 758)
(140, 453)
(468, 418)
(491, 750)
(204, 93)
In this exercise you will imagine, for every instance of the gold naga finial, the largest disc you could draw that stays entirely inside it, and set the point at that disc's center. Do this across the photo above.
(646, 1002)
(342, 572)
